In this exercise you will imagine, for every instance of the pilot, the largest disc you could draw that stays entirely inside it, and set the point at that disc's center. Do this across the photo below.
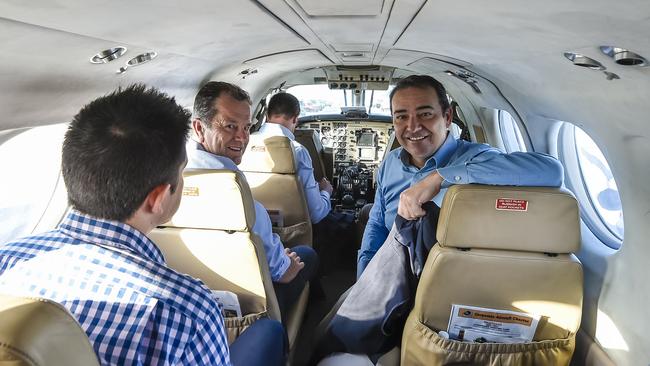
(222, 121)
(123, 157)
(431, 159)
(281, 120)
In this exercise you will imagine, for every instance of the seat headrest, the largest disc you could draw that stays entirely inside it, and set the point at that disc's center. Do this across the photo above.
(215, 199)
(268, 155)
(532, 219)
(311, 134)
(41, 332)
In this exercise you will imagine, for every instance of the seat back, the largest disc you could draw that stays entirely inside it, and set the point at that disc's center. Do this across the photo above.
(502, 248)
(310, 139)
(41, 332)
(210, 237)
(392, 144)
(270, 169)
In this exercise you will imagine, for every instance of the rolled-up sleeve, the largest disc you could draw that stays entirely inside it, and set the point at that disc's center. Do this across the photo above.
(318, 201)
(492, 166)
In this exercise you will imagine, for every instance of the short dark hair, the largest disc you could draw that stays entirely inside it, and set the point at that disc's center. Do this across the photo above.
(283, 104)
(422, 82)
(121, 146)
(204, 102)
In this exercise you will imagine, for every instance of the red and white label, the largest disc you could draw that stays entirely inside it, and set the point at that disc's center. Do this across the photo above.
(510, 204)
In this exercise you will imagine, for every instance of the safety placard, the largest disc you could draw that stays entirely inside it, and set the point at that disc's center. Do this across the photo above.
(511, 204)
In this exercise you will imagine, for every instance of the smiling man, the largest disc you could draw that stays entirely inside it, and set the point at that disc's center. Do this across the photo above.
(431, 159)
(221, 124)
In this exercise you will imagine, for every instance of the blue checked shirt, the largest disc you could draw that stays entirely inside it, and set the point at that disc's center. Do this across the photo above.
(113, 279)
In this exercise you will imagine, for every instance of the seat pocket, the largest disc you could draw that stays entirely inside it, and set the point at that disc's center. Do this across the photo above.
(236, 325)
(423, 346)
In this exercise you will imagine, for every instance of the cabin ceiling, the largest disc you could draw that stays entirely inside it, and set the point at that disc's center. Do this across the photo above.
(46, 45)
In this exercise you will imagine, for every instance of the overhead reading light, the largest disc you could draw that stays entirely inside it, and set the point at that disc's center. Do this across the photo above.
(108, 55)
(584, 61)
(138, 60)
(624, 57)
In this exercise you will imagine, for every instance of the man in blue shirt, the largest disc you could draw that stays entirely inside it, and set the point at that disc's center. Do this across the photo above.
(430, 160)
(282, 118)
(123, 157)
(222, 121)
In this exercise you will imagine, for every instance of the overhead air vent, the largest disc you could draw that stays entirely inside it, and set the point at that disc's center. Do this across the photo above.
(108, 55)
(138, 60)
(623, 56)
(583, 61)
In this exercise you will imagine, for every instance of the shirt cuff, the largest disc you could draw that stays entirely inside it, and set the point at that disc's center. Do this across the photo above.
(454, 175)
(325, 193)
(283, 267)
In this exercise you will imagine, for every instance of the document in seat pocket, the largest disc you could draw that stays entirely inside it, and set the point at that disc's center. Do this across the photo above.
(475, 324)
(229, 302)
(277, 220)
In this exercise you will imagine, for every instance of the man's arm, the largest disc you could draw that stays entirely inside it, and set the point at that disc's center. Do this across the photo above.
(318, 201)
(375, 232)
(278, 260)
(489, 166)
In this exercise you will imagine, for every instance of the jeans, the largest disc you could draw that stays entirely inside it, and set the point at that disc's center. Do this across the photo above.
(263, 343)
(288, 293)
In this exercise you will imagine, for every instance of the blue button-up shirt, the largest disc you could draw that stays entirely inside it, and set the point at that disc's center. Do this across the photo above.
(318, 201)
(458, 162)
(198, 158)
(113, 279)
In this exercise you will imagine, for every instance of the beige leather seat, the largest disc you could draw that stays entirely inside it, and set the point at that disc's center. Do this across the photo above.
(41, 332)
(210, 238)
(310, 139)
(502, 248)
(270, 168)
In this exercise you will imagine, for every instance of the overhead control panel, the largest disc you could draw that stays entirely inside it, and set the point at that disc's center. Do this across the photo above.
(370, 77)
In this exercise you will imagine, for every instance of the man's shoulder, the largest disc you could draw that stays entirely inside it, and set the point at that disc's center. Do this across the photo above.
(32, 244)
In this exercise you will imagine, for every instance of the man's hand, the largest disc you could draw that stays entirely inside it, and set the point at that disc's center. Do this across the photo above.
(325, 185)
(294, 267)
(412, 198)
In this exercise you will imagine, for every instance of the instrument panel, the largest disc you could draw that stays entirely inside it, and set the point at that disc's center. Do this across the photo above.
(354, 141)
(357, 149)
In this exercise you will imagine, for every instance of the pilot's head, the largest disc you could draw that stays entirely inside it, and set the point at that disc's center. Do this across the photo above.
(283, 109)
(123, 156)
(421, 116)
(222, 119)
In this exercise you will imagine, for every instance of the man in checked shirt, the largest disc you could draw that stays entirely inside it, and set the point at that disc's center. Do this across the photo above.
(123, 158)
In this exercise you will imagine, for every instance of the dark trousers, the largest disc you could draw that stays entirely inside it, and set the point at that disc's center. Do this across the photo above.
(263, 343)
(288, 293)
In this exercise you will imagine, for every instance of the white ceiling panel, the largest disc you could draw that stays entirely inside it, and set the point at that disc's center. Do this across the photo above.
(329, 8)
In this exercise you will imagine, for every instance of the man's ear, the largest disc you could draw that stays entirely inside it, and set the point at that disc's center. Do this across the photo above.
(449, 116)
(198, 130)
(155, 200)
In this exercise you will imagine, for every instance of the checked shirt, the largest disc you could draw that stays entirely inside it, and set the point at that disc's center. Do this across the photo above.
(113, 279)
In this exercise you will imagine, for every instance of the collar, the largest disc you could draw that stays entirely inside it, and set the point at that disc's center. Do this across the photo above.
(438, 159)
(110, 233)
(199, 158)
(276, 129)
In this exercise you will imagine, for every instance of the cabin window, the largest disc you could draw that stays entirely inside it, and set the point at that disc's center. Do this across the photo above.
(510, 133)
(30, 162)
(591, 179)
